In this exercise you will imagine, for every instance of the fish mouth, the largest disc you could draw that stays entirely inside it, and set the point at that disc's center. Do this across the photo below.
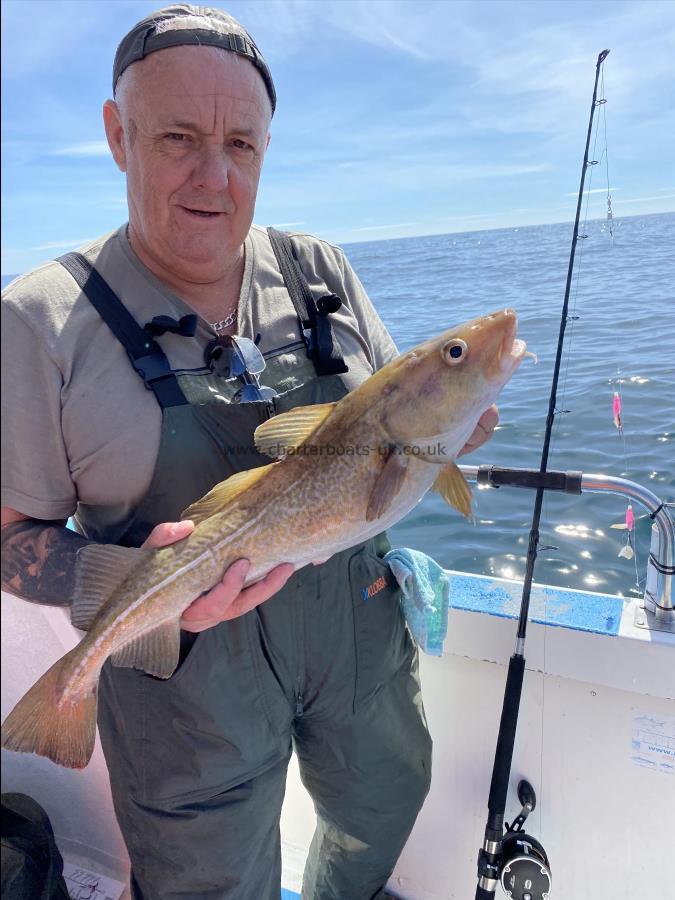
(493, 339)
(516, 352)
(512, 350)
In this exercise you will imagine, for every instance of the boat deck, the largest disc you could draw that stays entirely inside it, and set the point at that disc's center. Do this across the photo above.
(596, 738)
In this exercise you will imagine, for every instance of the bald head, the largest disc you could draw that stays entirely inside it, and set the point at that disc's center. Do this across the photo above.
(147, 78)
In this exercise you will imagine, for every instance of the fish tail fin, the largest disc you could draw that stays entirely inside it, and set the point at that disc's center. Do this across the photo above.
(52, 721)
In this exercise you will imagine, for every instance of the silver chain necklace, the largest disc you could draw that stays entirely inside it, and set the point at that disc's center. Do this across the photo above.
(224, 323)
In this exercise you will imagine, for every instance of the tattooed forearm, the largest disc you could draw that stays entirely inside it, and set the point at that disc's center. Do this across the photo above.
(38, 561)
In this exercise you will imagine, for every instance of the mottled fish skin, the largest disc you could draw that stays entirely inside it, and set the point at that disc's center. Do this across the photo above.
(150, 595)
(423, 397)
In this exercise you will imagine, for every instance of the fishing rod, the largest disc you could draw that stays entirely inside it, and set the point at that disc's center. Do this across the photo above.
(510, 856)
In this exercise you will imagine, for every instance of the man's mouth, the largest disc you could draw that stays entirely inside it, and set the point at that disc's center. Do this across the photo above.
(203, 213)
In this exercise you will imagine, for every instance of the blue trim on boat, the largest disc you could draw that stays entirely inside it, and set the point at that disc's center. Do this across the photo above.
(289, 895)
(579, 610)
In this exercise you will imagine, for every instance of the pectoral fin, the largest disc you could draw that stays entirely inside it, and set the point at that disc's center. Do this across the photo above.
(223, 494)
(453, 487)
(99, 571)
(155, 652)
(284, 433)
(387, 486)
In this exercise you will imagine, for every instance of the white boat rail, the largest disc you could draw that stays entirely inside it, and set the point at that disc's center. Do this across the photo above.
(658, 612)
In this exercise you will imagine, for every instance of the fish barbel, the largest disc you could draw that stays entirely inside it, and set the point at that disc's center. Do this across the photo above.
(343, 473)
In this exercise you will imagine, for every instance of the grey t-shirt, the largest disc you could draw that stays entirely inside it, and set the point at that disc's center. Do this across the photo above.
(78, 423)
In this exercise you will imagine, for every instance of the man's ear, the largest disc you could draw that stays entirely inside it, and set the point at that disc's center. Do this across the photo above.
(114, 130)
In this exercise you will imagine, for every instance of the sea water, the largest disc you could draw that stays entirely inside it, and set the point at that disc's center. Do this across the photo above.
(623, 292)
(624, 339)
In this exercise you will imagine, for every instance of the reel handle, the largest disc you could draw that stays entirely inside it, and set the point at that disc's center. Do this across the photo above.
(528, 800)
(525, 870)
(526, 795)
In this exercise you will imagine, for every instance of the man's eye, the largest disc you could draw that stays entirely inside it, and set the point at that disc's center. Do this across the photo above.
(177, 136)
(241, 145)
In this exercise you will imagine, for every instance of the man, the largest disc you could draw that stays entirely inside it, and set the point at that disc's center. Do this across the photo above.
(116, 413)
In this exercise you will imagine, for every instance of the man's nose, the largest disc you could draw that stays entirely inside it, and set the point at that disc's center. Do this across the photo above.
(212, 169)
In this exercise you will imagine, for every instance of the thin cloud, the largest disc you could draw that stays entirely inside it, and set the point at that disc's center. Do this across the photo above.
(86, 148)
(382, 227)
(403, 45)
(401, 26)
(594, 191)
(55, 245)
(645, 199)
(464, 218)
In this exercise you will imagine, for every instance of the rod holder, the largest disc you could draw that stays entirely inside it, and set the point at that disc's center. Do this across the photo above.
(657, 611)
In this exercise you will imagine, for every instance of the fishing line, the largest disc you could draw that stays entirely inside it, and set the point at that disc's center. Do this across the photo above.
(508, 855)
(572, 320)
(616, 385)
(572, 324)
(629, 520)
(610, 213)
(573, 317)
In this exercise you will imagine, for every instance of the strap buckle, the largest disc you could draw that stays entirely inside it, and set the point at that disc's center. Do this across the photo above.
(151, 368)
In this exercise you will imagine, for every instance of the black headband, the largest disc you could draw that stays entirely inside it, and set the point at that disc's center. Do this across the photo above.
(143, 39)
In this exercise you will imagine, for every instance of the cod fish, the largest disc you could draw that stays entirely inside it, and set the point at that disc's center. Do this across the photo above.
(343, 472)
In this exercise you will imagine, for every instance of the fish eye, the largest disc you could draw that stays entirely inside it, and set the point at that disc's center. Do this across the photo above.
(454, 352)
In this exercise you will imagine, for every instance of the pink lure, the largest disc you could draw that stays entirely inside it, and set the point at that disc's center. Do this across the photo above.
(616, 409)
(627, 551)
(630, 518)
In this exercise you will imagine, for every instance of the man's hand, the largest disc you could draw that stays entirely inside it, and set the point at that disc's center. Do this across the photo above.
(483, 431)
(229, 598)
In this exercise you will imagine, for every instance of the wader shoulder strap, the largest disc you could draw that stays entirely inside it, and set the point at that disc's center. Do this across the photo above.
(146, 356)
(322, 344)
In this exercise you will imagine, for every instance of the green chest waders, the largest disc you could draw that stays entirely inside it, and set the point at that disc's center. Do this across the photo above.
(198, 762)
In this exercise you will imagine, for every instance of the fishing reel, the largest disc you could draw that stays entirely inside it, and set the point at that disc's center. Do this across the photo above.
(525, 871)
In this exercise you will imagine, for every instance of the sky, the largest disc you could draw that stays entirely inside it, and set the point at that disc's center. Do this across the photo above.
(394, 118)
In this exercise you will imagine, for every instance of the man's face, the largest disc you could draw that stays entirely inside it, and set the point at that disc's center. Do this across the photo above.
(193, 134)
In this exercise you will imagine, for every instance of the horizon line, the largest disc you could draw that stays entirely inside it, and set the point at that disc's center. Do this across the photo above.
(413, 237)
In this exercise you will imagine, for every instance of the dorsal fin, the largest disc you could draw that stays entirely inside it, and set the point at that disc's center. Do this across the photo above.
(223, 494)
(286, 432)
